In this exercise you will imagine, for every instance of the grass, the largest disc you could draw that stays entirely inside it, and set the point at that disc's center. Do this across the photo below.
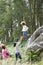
(11, 60)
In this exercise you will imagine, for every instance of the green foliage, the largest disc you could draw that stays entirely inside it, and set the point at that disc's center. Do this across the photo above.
(34, 55)
(14, 11)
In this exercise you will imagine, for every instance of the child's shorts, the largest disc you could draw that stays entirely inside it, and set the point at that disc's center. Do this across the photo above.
(18, 56)
(24, 33)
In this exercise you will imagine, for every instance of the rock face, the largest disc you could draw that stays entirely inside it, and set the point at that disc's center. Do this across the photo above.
(36, 40)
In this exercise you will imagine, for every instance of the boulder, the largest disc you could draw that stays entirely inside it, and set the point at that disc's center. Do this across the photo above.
(36, 40)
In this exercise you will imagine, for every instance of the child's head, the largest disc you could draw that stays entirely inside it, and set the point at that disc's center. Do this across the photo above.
(3, 47)
(23, 23)
(15, 44)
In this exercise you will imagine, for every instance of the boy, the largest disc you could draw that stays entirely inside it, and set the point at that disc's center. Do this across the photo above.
(24, 28)
(17, 50)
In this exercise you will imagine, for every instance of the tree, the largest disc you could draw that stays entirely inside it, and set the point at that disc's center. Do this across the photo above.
(12, 12)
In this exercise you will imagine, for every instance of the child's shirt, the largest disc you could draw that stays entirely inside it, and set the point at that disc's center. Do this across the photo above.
(25, 28)
(4, 53)
(16, 48)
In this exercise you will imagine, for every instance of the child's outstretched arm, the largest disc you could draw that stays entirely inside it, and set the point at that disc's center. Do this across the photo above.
(19, 41)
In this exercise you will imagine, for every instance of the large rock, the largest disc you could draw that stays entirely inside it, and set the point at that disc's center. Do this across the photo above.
(36, 40)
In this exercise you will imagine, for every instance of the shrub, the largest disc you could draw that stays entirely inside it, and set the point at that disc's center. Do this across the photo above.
(33, 55)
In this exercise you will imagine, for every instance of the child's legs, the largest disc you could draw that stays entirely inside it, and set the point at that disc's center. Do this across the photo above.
(19, 56)
(16, 56)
